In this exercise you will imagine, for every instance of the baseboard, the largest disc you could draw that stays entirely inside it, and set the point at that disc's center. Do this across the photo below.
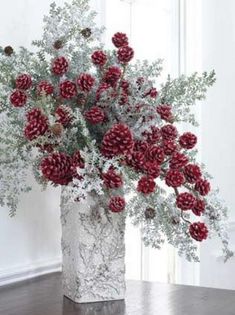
(20, 273)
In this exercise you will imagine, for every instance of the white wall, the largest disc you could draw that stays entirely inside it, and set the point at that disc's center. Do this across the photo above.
(218, 129)
(30, 242)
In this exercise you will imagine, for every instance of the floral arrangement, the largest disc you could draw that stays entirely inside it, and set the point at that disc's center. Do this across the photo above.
(92, 120)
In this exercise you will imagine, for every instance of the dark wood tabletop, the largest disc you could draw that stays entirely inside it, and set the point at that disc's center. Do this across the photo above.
(43, 296)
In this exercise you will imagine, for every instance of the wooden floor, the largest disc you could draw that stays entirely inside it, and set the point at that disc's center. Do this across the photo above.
(43, 296)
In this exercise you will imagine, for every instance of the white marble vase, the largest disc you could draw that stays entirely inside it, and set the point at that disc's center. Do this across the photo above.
(93, 251)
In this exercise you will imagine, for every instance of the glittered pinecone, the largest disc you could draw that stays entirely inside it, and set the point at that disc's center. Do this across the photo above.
(192, 173)
(112, 75)
(37, 124)
(155, 153)
(58, 44)
(185, 201)
(86, 32)
(45, 88)
(169, 132)
(149, 213)
(188, 140)
(178, 160)
(199, 207)
(68, 89)
(198, 231)
(63, 115)
(174, 178)
(95, 115)
(57, 129)
(120, 40)
(112, 179)
(18, 98)
(56, 167)
(23, 82)
(164, 111)
(151, 168)
(152, 136)
(60, 66)
(8, 50)
(117, 204)
(146, 185)
(169, 147)
(125, 54)
(99, 58)
(202, 186)
(103, 87)
(117, 141)
(85, 82)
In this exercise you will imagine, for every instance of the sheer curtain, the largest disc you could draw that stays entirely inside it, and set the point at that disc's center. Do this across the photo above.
(154, 28)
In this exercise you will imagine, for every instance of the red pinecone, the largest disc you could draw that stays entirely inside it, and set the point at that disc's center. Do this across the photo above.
(37, 124)
(153, 93)
(117, 204)
(146, 185)
(198, 231)
(125, 54)
(99, 58)
(169, 132)
(199, 207)
(18, 98)
(155, 153)
(178, 160)
(141, 146)
(120, 40)
(174, 178)
(136, 160)
(23, 82)
(45, 87)
(123, 99)
(77, 160)
(34, 113)
(117, 141)
(125, 86)
(185, 201)
(152, 136)
(112, 75)
(68, 89)
(56, 167)
(188, 140)
(164, 111)
(151, 168)
(95, 115)
(169, 147)
(60, 66)
(103, 87)
(63, 115)
(112, 179)
(202, 186)
(192, 173)
(85, 82)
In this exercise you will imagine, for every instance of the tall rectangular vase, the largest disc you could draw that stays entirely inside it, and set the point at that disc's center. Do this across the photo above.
(93, 250)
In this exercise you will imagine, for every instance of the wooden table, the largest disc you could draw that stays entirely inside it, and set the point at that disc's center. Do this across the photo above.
(43, 296)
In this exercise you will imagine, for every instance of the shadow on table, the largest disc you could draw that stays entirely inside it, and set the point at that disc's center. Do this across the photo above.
(99, 308)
